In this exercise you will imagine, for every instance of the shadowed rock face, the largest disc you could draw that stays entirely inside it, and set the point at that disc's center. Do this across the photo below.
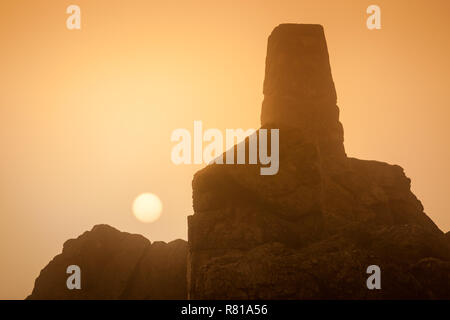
(299, 92)
(312, 230)
(116, 265)
(308, 232)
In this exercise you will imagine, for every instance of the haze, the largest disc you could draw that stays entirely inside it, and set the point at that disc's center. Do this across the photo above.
(86, 116)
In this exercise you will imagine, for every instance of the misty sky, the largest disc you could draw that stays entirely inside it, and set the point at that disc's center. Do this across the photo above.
(86, 115)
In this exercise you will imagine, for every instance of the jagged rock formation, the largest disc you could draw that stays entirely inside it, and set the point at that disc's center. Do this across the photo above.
(310, 231)
(116, 265)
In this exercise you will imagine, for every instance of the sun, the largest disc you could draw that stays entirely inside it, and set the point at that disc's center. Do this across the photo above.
(147, 207)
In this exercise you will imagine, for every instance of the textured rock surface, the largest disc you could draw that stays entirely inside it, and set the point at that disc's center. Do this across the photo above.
(116, 265)
(311, 230)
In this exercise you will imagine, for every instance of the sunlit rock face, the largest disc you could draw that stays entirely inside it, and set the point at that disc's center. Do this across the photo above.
(310, 231)
(116, 265)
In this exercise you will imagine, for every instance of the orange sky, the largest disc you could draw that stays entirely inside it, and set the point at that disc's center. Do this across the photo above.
(86, 116)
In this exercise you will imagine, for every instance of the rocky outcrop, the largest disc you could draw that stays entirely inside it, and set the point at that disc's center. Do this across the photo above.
(116, 265)
(310, 231)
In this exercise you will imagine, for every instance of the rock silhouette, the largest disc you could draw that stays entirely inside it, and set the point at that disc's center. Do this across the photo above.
(308, 232)
(116, 265)
(311, 231)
